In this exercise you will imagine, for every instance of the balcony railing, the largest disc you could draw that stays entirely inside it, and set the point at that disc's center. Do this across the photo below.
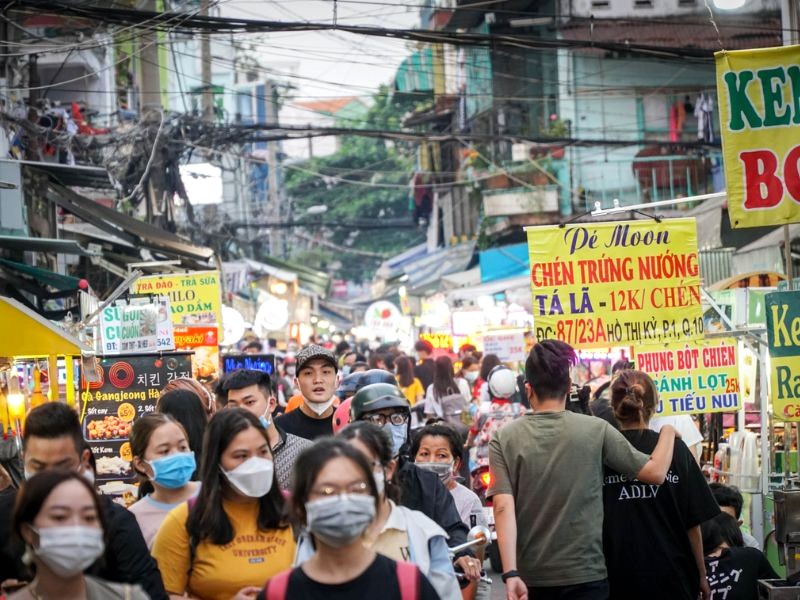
(647, 178)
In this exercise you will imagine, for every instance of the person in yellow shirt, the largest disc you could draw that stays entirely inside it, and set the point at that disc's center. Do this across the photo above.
(410, 386)
(233, 537)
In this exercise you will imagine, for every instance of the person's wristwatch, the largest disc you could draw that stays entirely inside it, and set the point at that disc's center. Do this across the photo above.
(508, 575)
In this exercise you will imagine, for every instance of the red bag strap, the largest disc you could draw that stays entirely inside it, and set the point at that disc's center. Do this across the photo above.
(407, 579)
(275, 588)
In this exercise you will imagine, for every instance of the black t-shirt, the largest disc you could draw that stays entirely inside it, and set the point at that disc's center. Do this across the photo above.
(301, 425)
(645, 540)
(735, 573)
(378, 581)
(424, 372)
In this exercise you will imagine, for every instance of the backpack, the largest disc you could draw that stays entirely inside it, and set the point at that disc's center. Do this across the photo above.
(407, 578)
(454, 411)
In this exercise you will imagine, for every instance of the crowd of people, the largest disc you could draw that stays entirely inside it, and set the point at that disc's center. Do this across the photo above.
(342, 476)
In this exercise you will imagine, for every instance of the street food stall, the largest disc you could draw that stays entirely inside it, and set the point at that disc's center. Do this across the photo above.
(37, 362)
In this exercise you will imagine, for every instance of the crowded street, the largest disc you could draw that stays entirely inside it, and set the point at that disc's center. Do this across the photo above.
(416, 300)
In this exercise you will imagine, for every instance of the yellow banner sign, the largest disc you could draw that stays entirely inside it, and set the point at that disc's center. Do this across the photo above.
(759, 103)
(783, 335)
(601, 285)
(698, 377)
(194, 297)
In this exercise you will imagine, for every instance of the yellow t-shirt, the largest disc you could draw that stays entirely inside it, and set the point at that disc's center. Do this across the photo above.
(413, 391)
(219, 572)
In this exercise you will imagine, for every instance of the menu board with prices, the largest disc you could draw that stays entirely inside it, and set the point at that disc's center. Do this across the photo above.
(126, 387)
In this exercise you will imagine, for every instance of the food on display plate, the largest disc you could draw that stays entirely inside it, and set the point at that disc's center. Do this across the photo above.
(110, 428)
(113, 465)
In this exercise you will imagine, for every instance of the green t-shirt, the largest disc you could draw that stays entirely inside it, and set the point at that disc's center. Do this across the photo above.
(552, 463)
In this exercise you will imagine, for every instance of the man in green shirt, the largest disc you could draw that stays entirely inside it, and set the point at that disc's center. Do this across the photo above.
(547, 485)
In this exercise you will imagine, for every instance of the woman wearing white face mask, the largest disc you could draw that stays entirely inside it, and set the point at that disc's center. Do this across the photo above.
(233, 536)
(164, 463)
(59, 519)
(399, 532)
(335, 498)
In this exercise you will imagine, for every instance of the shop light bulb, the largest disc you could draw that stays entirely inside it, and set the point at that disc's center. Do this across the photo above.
(278, 288)
(323, 324)
(16, 405)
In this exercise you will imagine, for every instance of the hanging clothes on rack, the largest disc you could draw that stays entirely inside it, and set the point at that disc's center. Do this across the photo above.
(704, 111)
(677, 117)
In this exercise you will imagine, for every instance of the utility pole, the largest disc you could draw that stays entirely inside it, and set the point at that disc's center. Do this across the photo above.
(151, 113)
(790, 21)
(205, 66)
(150, 86)
(273, 193)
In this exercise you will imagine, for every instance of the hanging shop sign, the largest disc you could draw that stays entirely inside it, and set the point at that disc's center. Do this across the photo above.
(233, 326)
(603, 285)
(136, 326)
(783, 337)
(195, 301)
(439, 340)
(123, 388)
(758, 91)
(383, 319)
(194, 297)
(695, 377)
(509, 346)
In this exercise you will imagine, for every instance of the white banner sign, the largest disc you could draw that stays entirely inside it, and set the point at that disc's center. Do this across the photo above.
(508, 346)
(137, 327)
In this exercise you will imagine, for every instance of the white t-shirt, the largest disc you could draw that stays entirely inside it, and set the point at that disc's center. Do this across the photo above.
(683, 424)
(469, 506)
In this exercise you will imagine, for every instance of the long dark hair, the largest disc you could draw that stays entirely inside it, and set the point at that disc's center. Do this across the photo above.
(34, 493)
(489, 362)
(186, 408)
(311, 462)
(379, 443)
(142, 431)
(207, 519)
(443, 381)
(405, 371)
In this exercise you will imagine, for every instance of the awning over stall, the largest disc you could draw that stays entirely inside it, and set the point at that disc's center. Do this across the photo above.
(34, 244)
(42, 338)
(132, 231)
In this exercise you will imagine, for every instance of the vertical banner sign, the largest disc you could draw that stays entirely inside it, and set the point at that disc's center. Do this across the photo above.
(600, 285)
(783, 337)
(195, 300)
(696, 377)
(759, 107)
(124, 389)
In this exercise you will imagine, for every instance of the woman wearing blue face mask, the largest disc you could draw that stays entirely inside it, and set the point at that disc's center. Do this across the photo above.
(336, 499)
(164, 463)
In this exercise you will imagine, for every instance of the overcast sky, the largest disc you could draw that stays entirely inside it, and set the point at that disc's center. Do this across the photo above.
(330, 64)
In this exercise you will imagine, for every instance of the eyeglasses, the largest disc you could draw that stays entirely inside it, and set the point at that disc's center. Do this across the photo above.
(360, 487)
(381, 420)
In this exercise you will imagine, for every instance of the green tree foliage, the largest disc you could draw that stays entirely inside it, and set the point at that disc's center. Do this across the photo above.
(367, 160)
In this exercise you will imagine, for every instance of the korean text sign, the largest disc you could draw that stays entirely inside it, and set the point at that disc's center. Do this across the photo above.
(599, 285)
(759, 92)
(695, 377)
(127, 388)
(783, 336)
(195, 298)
